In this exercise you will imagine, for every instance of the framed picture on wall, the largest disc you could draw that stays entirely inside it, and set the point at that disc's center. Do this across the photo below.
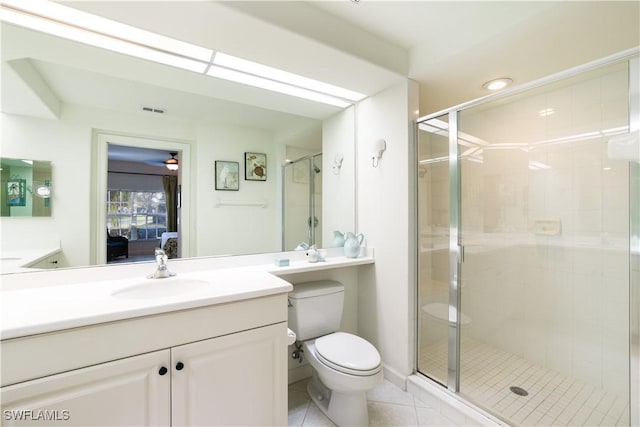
(255, 166)
(16, 192)
(227, 175)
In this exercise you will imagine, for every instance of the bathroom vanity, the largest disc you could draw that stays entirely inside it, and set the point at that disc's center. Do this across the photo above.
(203, 358)
(206, 347)
(24, 260)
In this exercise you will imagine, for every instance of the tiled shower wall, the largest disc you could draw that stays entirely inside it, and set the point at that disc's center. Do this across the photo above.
(546, 229)
(559, 307)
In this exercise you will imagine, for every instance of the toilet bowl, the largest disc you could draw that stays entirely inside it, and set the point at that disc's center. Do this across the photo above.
(345, 366)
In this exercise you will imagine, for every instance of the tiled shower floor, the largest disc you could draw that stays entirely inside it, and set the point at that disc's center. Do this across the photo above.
(553, 400)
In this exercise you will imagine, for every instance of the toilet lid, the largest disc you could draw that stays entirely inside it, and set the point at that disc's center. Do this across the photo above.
(348, 353)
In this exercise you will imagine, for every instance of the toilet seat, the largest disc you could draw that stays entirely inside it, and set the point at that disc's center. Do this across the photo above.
(348, 353)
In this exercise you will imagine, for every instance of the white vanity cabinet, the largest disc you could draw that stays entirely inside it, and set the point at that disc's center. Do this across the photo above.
(231, 380)
(52, 261)
(126, 392)
(218, 365)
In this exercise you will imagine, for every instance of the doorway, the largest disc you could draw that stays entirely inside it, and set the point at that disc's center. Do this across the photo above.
(129, 202)
(141, 204)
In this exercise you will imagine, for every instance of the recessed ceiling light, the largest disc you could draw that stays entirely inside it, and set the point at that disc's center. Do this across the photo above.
(546, 112)
(497, 84)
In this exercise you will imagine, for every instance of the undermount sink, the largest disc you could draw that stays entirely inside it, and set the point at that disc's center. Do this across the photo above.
(161, 288)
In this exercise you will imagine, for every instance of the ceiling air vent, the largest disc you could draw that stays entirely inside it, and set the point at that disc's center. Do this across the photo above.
(154, 110)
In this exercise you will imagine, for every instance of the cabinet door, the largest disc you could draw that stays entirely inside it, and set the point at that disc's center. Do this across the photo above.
(126, 392)
(53, 261)
(237, 379)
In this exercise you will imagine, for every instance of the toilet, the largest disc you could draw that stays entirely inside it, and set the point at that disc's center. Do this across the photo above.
(345, 366)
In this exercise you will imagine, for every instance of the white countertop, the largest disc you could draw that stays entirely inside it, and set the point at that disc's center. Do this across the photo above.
(305, 266)
(16, 261)
(63, 305)
(46, 309)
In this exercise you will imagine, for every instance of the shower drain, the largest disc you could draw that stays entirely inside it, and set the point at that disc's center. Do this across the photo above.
(519, 391)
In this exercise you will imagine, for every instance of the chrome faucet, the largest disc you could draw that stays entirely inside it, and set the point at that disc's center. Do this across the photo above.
(162, 271)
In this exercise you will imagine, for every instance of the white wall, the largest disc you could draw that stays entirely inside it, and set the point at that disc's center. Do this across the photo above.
(67, 145)
(338, 211)
(384, 212)
(235, 229)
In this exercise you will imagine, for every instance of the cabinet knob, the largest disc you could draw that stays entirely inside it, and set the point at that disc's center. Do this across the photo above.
(162, 370)
(179, 366)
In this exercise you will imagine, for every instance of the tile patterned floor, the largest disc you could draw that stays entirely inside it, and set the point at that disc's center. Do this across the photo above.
(553, 400)
(388, 406)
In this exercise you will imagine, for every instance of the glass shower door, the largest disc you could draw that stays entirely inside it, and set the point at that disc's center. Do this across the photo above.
(302, 202)
(433, 248)
(545, 231)
(527, 252)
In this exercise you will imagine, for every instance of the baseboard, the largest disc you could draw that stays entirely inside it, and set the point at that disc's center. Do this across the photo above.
(395, 377)
(299, 373)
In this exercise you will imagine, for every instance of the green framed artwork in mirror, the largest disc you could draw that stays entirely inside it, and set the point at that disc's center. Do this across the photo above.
(26, 187)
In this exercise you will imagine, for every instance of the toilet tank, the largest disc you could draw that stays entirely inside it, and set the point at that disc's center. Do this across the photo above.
(315, 308)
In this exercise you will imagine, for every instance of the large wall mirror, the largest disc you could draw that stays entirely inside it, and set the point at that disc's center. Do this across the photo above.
(65, 102)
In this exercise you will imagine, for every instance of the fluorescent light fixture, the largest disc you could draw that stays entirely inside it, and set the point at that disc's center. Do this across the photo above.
(251, 80)
(77, 34)
(72, 24)
(434, 160)
(476, 159)
(536, 166)
(254, 68)
(96, 24)
(470, 151)
(546, 112)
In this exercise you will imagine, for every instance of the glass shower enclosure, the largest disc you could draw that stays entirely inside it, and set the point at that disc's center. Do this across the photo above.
(527, 222)
(302, 202)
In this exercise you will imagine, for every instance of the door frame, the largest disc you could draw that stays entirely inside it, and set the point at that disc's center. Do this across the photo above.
(100, 162)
